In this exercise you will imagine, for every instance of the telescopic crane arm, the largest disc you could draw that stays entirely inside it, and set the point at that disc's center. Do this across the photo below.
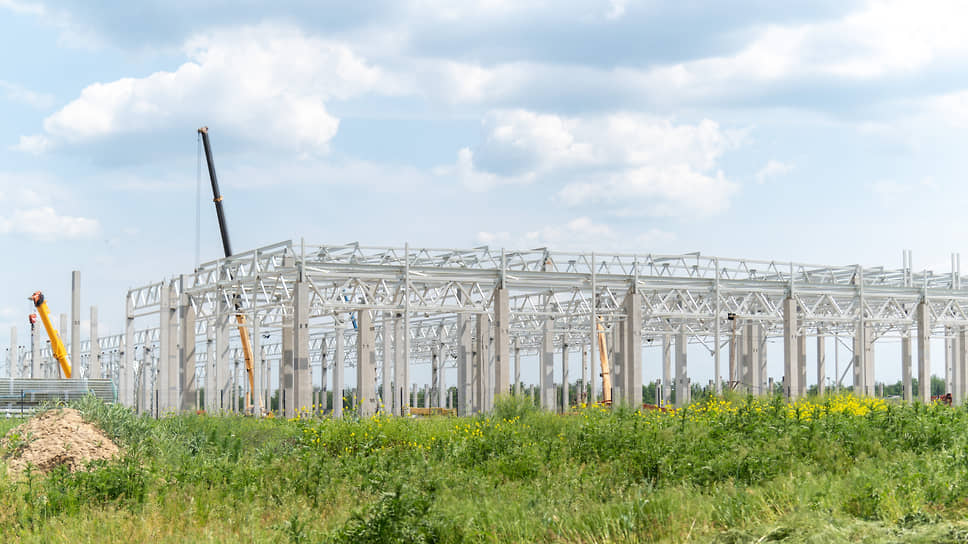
(56, 345)
(227, 247)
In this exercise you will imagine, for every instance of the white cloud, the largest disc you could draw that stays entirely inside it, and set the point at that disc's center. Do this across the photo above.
(22, 7)
(27, 210)
(619, 159)
(582, 233)
(23, 95)
(45, 223)
(773, 169)
(268, 83)
(34, 144)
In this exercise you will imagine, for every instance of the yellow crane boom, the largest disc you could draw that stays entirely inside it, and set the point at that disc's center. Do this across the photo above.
(603, 359)
(56, 345)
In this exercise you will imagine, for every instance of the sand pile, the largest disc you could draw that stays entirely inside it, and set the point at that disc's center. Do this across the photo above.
(54, 438)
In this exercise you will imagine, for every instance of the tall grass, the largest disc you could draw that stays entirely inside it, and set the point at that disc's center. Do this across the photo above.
(838, 469)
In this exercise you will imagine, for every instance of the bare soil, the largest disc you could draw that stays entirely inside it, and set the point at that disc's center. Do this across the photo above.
(54, 438)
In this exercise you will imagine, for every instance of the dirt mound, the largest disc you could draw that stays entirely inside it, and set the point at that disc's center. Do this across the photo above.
(54, 438)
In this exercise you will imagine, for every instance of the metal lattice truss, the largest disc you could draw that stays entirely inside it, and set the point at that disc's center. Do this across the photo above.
(688, 292)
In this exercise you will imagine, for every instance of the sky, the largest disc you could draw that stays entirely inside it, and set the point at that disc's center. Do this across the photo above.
(823, 132)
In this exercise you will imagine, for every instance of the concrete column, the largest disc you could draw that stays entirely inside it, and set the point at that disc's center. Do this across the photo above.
(633, 348)
(791, 372)
(258, 368)
(302, 375)
(338, 370)
(323, 404)
(287, 369)
(517, 367)
(211, 381)
(75, 324)
(868, 359)
(465, 360)
(564, 377)
(126, 371)
(435, 370)
(401, 403)
(442, 396)
(365, 363)
(167, 385)
(802, 363)
(962, 364)
(923, 317)
(14, 359)
(481, 361)
(223, 371)
(94, 358)
(821, 363)
(734, 349)
(666, 368)
(186, 352)
(426, 396)
(683, 391)
(387, 368)
(547, 366)
(502, 342)
(617, 361)
(595, 369)
(583, 384)
(906, 365)
(753, 358)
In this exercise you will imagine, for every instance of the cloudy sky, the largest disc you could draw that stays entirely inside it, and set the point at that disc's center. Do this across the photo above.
(822, 131)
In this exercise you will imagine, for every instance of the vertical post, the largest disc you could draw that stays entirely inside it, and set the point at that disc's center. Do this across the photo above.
(868, 359)
(127, 356)
(547, 366)
(323, 404)
(962, 360)
(258, 365)
(387, 369)
(821, 363)
(406, 322)
(338, 370)
(223, 372)
(400, 403)
(75, 324)
(683, 390)
(186, 350)
(666, 368)
(564, 376)
(502, 343)
(716, 333)
(94, 358)
(211, 382)
(924, 352)
(633, 349)
(365, 363)
(517, 367)
(583, 384)
(593, 333)
(442, 396)
(617, 363)
(481, 363)
(802, 362)
(791, 357)
(302, 375)
(906, 366)
(286, 369)
(465, 360)
(434, 371)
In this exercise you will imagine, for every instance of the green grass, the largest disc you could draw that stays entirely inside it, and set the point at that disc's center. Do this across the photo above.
(831, 470)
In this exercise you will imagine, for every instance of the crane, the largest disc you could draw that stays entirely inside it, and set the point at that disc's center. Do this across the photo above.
(56, 345)
(227, 247)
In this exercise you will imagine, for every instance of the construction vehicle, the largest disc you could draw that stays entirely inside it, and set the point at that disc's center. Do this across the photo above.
(227, 247)
(56, 345)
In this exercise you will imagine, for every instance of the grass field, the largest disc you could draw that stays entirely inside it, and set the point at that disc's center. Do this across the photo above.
(739, 470)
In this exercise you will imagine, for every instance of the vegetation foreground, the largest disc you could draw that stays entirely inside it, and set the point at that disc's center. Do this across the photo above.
(739, 470)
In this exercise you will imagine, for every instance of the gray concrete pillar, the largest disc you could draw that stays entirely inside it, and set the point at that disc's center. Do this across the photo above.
(802, 362)
(595, 362)
(632, 349)
(167, 386)
(75, 324)
(211, 383)
(906, 375)
(683, 391)
(863, 360)
(442, 391)
(365, 364)
(666, 368)
(258, 366)
(287, 369)
(734, 349)
(435, 371)
(502, 343)
(386, 370)
(547, 366)
(821, 364)
(94, 359)
(401, 403)
(517, 367)
(617, 360)
(583, 383)
(482, 364)
(302, 375)
(564, 377)
(223, 371)
(426, 396)
(126, 371)
(791, 372)
(323, 404)
(339, 369)
(962, 361)
(753, 374)
(465, 360)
